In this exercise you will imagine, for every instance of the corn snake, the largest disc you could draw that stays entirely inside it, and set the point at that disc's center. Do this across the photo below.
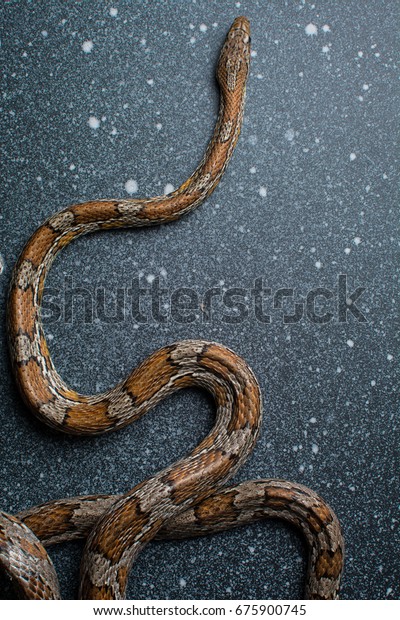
(185, 498)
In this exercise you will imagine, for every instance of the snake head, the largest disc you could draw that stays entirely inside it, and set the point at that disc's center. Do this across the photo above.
(234, 61)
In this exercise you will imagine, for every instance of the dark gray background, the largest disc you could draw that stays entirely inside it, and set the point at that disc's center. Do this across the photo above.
(331, 411)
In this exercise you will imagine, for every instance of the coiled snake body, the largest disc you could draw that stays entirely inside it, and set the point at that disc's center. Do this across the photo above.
(184, 499)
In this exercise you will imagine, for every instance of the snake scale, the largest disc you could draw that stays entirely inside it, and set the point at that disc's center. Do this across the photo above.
(187, 498)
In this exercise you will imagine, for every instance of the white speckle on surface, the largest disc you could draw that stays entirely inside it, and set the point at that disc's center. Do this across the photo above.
(350, 343)
(289, 135)
(352, 156)
(326, 28)
(356, 240)
(347, 250)
(192, 40)
(253, 53)
(365, 86)
(113, 12)
(253, 170)
(318, 264)
(131, 186)
(311, 29)
(338, 370)
(182, 582)
(262, 191)
(93, 122)
(389, 357)
(158, 126)
(325, 49)
(44, 33)
(302, 468)
(87, 46)
(373, 382)
(314, 448)
(251, 549)
(1, 264)
(163, 272)
(313, 420)
(203, 28)
(150, 278)
(150, 82)
(168, 188)
(352, 488)
(360, 54)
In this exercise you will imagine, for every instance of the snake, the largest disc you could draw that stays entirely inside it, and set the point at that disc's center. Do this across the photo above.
(187, 498)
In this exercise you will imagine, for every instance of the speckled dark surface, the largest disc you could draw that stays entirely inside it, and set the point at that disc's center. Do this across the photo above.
(310, 194)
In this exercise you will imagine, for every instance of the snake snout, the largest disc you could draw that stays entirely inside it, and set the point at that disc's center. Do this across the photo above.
(242, 23)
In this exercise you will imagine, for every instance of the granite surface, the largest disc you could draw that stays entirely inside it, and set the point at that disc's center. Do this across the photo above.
(109, 99)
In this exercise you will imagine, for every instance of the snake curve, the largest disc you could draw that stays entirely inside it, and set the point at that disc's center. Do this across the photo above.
(185, 498)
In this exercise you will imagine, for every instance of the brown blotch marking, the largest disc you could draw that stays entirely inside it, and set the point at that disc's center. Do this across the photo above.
(127, 522)
(167, 209)
(329, 564)
(50, 521)
(153, 374)
(21, 306)
(202, 472)
(38, 245)
(213, 509)
(34, 387)
(87, 418)
(93, 212)
(278, 499)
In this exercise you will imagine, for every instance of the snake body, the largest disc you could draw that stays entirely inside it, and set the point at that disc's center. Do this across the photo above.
(184, 498)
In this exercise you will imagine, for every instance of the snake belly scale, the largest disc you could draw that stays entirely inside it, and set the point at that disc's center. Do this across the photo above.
(185, 498)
